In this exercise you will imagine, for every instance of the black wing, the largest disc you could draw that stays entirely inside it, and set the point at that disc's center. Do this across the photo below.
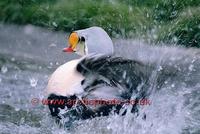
(122, 76)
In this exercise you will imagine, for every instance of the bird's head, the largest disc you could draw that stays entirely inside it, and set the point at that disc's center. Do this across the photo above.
(93, 40)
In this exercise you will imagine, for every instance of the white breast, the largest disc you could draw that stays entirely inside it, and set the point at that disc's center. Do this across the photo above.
(65, 80)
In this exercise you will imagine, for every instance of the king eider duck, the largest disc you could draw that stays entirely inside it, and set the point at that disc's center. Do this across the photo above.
(98, 75)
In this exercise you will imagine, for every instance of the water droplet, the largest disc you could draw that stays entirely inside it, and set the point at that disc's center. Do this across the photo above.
(147, 15)
(52, 45)
(108, 127)
(175, 39)
(172, 85)
(155, 36)
(54, 24)
(0, 80)
(33, 82)
(130, 9)
(193, 60)
(12, 59)
(160, 68)
(15, 76)
(191, 67)
(17, 109)
(4, 69)
(124, 74)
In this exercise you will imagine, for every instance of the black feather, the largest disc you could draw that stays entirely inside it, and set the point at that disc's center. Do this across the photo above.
(117, 71)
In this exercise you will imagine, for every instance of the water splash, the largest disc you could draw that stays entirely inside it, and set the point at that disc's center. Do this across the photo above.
(174, 109)
(4, 69)
(33, 82)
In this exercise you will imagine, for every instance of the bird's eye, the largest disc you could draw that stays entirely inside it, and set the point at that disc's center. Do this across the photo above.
(73, 40)
(82, 39)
